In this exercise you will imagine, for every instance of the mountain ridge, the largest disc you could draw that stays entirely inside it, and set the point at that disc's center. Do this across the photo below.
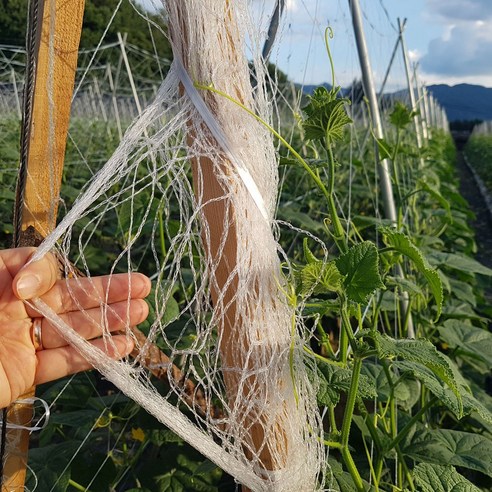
(465, 102)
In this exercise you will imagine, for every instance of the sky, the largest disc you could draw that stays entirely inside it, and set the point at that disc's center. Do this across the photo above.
(450, 40)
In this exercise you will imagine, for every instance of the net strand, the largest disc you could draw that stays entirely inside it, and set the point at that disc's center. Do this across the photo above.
(210, 170)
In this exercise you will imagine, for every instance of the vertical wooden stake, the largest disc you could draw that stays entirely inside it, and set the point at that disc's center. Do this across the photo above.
(53, 89)
(221, 244)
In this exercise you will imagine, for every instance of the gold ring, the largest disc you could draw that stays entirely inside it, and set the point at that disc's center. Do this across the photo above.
(37, 339)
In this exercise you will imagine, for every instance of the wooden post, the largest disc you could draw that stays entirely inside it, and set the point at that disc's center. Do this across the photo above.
(220, 240)
(56, 61)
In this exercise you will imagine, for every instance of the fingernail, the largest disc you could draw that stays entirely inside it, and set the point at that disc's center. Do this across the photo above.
(28, 286)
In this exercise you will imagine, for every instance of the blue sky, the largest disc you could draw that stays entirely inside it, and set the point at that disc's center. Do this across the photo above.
(450, 39)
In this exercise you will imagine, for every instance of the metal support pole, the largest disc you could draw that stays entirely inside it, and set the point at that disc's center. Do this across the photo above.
(411, 92)
(368, 83)
(383, 168)
(272, 29)
(390, 64)
(112, 87)
(122, 40)
(421, 102)
(16, 94)
(428, 120)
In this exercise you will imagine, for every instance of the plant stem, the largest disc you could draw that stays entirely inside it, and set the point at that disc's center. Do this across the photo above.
(338, 232)
(406, 429)
(333, 421)
(371, 466)
(320, 357)
(77, 486)
(347, 422)
(324, 341)
(339, 238)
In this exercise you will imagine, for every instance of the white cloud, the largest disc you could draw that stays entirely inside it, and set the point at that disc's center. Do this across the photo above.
(291, 6)
(464, 49)
(460, 10)
(465, 52)
(414, 55)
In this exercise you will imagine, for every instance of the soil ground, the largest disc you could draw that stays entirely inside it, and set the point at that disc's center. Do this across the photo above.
(482, 223)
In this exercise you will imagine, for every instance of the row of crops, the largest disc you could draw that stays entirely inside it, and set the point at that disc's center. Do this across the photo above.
(396, 312)
(479, 152)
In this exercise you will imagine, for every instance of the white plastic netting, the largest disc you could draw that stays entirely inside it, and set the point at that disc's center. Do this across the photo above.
(193, 187)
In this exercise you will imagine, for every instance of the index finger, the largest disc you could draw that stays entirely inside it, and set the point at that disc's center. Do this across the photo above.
(76, 294)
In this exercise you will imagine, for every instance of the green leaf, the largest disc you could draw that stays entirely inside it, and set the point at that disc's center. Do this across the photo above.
(406, 391)
(313, 163)
(458, 262)
(401, 243)
(317, 277)
(403, 284)
(340, 480)
(441, 478)
(326, 116)
(308, 254)
(386, 150)
(401, 116)
(463, 291)
(334, 380)
(160, 437)
(432, 383)
(360, 267)
(457, 448)
(485, 401)
(461, 310)
(320, 278)
(434, 192)
(293, 213)
(469, 341)
(422, 353)
(49, 465)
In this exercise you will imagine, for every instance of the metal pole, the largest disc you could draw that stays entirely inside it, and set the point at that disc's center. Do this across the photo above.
(411, 92)
(384, 175)
(113, 99)
(272, 29)
(16, 94)
(421, 102)
(368, 83)
(428, 120)
(122, 40)
(390, 65)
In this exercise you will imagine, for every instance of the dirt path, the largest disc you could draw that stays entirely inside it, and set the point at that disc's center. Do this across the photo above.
(482, 223)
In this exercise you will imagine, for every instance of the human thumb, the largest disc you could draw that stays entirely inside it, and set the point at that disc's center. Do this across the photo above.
(36, 278)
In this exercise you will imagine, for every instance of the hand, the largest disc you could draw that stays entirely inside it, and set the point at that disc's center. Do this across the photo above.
(23, 365)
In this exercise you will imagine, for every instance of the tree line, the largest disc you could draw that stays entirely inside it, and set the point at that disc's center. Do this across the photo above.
(129, 19)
